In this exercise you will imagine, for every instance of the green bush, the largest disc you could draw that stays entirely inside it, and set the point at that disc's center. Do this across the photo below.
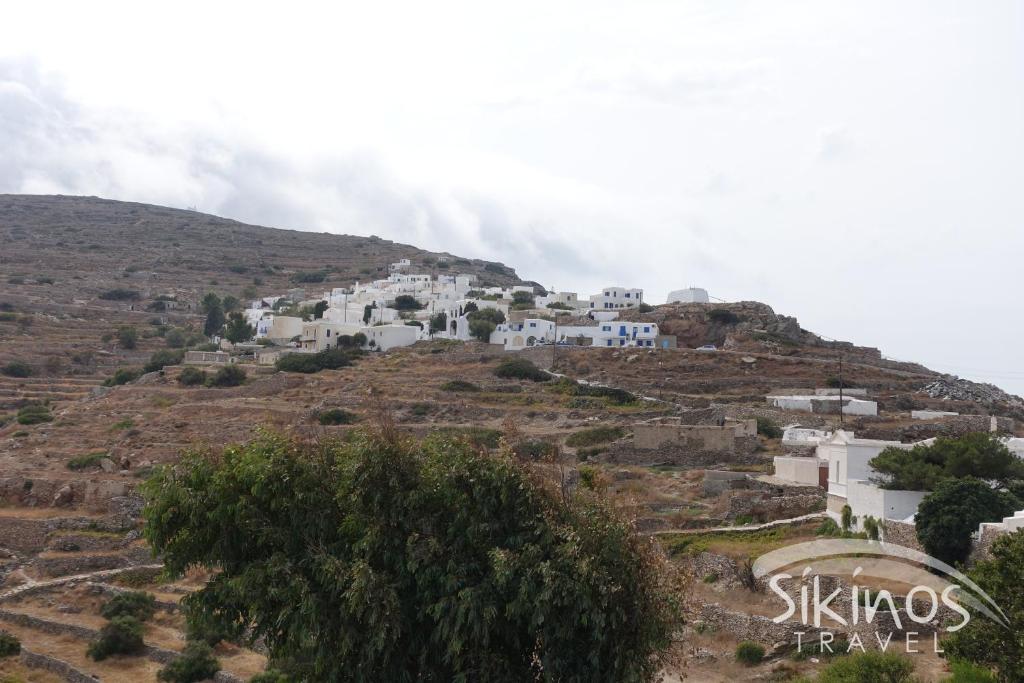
(122, 376)
(162, 358)
(330, 359)
(534, 449)
(828, 527)
(459, 385)
(966, 672)
(767, 428)
(82, 462)
(127, 337)
(227, 376)
(196, 663)
(723, 316)
(34, 413)
(521, 368)
(138, 604)
(9, 645)
(120, 636)
(645, 308)
(594, 436)
(310, 277)
(191, 376)
(120, 295)
(749, 653)
(175, 338)
(868, 667)
(406, 302)
(336, 416)
(17, 368)
(270, 676)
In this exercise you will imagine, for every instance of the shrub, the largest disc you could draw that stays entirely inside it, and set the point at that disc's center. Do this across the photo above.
(723, 316)
(594, 436)
(227, 376)
(162, 358)
(330, 359)
(479, 437)
(175, 338)
(270, 676)
(120, 636)
(335, 416)
(767, 428)
(196, 663)
(191, 376)
(122, 376)
(833, 382)
(749, 653)
(17, 368)
(966, 672)
(406, 302)
(459, 385)
(120, 295)
(310, 277)
(9, 645)
(34, 413)
(534, 449)
(127, 337)
(846, 516)
(871, 528)
(828, 527)
(645, 308)
(521, 368)
(138, 604)
(81, 462)
(868, 667)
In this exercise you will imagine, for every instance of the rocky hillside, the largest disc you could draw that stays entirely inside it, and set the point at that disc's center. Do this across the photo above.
(74, 269)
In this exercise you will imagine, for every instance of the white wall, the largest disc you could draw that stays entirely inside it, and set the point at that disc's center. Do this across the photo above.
(798, 470)
(689, 295)
(864, 498)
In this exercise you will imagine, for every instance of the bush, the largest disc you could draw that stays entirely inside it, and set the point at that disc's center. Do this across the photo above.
(534, 449)
(335, 416)
(749, 653)
(406, 302)
(270, 676)
(330, 359)
(120, 295)
(645, 308)
(479, 437)
(34, 413)
(138, 604)
(196, 663)
(611, 394)
(161, 359)
(828, 527)
(17, 368)
(868, 667)
(521, 368)
(120, 636)
(459, 385)
(191, 376)
(127, 337)
(767, 428)
(833, 382)
(310, 277)
(227, 376)
(9, 645)
(175, 338)
(950, 514)
(966, 672)
(122, 376)
(592, 437)
(723, 316)
(82, 462)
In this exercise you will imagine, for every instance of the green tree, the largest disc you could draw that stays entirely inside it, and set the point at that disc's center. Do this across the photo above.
(120, 636)
(922, 468)
(209, 302)
(389, 559)
(318, 309)
(214, 319)
(983, 641)
(196, 663)
(368, 313)
(483, 322)
(238, 329)
(230, 303)
(127, 337)
(175, 338)
(439, 322)
(948, 516)
(405, 302)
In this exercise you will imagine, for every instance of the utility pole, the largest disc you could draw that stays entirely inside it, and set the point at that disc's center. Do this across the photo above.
(554, 342)
(840, 387)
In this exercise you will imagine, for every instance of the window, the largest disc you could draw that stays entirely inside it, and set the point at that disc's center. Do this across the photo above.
(627, 295)
(622, 342)
(647, 328)
(328, 333)
(533, 324)
(609, 342)
(607, 294)
(606, 328)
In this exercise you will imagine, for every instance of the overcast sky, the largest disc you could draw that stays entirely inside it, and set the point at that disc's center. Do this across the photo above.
(854, 164)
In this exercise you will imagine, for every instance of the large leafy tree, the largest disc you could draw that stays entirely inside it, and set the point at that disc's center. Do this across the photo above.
(238, 329)
(214, 309)
(923, 468)
(947, 516)
(983, 641)
(382, 559)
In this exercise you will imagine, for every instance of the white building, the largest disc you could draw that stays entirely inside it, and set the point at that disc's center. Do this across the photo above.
(617, 297)
(824, 405)
(532, 331)
(690, 295)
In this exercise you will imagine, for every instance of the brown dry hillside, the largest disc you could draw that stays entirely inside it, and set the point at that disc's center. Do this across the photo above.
(60, 254)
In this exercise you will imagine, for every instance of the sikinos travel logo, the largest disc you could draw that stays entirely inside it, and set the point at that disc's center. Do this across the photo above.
(858, 594)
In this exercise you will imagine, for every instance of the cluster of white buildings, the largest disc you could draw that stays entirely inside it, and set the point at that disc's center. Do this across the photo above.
(381, 311)
(840, 463)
